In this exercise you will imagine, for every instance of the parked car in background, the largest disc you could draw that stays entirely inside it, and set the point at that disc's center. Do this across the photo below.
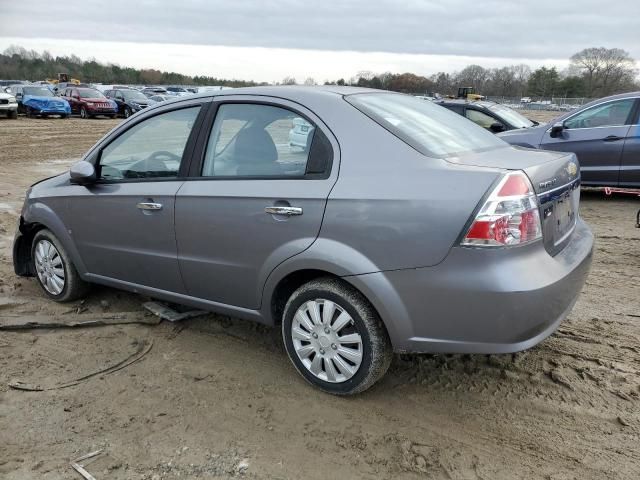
(178, 91)
(162, 98)
(129, 101)
(604, 134)
(38, 100)
(150, 91)
(8, 105)
(403, 227)
(89, 102)
(489, 115)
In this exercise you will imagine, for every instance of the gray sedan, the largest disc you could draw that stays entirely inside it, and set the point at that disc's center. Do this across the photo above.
(604, 134)
(399, 226)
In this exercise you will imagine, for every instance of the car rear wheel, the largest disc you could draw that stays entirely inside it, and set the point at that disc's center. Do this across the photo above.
(54, 270)
(335, 338)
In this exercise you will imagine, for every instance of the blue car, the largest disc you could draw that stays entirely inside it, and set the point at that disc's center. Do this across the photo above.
(38, 100)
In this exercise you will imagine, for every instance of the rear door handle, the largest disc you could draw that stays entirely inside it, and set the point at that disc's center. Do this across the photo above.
(612, 138)
(149, 206)
(288, 211)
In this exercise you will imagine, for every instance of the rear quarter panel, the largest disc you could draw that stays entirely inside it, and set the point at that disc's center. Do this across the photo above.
(394, 206)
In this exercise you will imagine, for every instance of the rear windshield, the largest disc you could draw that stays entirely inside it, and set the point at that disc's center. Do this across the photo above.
(429, 128)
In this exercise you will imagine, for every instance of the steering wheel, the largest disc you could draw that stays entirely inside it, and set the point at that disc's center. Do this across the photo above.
(163, 153)
(153, 163)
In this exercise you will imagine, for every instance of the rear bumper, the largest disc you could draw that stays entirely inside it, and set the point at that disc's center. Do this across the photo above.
(481, 300)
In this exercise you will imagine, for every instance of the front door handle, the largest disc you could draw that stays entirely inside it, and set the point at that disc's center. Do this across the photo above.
(288, 211)
(149, 206)
(612, 138)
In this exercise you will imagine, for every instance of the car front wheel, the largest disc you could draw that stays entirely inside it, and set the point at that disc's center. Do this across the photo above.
(335, 338)
(54, 270)
(127, 112)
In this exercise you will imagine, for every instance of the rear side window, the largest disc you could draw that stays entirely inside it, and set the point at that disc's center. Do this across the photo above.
(256, 140)
(431, 129)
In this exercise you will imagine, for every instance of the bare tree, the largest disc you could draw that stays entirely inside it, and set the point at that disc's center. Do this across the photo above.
(310, 81)
(288, 81)
(604, 70)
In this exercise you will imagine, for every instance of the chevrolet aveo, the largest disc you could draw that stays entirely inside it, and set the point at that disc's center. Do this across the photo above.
(398, 226)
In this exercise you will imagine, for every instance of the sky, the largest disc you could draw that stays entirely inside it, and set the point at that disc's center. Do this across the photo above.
(266, 40)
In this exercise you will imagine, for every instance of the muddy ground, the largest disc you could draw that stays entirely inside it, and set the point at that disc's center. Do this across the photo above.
(217, 398)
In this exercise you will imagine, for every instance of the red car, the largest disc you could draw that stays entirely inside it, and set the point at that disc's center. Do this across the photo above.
(89, 102)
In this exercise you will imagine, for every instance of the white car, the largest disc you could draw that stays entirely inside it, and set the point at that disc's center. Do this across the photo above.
(8, 105)
(300, 134)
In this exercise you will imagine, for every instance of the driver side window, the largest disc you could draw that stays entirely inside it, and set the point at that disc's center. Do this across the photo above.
(609, 114)
(151, 149)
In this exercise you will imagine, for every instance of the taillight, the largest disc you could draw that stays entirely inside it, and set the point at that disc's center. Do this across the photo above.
(510, 216)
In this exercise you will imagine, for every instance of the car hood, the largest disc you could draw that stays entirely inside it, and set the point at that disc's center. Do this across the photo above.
(525, 137)
(39, 98)
(6, 95)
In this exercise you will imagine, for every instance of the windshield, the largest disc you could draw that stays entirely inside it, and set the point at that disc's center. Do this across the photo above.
(431, 129)
(176, 89)
(511, 116)
(37, 91)
(134, 95)
(90, 93)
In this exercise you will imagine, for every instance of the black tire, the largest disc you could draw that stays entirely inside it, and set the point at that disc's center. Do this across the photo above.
(83, 113)
(74, 287)
(127, 112)
(28, 112)
(13, 114)
(376, 346)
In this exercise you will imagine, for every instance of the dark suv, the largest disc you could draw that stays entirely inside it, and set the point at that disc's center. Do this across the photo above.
(129, 100)
(492, 116)
(89, 102)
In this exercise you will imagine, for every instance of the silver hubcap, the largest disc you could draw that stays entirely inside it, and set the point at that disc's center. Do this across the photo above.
(326, 340)
(49, 267)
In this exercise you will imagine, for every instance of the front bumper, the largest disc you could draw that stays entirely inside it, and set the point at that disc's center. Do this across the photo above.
(7, 107)
(481, 300)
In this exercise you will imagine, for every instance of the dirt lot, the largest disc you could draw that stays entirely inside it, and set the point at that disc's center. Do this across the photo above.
(217, 398)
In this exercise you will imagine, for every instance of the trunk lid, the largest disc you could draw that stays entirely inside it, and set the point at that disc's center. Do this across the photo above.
(555, 177)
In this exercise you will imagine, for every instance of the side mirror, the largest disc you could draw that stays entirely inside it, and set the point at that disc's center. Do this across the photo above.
(556, 129)
(497, 127)
(82, 173)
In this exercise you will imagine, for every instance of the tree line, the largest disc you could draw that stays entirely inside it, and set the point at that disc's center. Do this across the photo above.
(593, 72)
(18, 63)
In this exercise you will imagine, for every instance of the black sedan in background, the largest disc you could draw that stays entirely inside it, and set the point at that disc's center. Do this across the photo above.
(129, 100)
(604, 134)
(490, 115)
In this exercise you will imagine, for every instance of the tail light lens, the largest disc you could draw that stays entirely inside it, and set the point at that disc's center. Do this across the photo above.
(510, 216)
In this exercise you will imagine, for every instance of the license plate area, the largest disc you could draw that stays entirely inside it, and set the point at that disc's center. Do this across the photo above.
(559, 211)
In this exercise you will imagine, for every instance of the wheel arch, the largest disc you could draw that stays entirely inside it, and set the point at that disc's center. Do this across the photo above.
(39, 216)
